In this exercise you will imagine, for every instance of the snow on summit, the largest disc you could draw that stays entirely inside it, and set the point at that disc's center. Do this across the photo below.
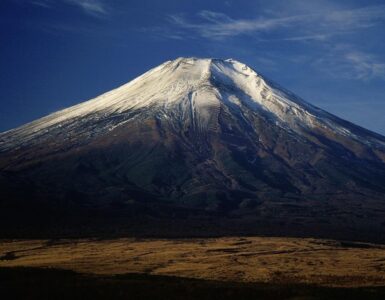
(181, 90)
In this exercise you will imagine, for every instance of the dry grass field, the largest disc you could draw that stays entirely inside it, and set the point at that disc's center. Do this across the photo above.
(251, 259)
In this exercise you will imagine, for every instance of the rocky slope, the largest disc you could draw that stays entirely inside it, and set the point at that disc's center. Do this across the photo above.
(199, 137)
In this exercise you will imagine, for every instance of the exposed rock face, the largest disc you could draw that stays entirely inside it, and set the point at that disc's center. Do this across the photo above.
(202, 135)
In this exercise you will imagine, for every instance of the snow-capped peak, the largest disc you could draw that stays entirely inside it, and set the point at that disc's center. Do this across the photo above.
(201, 86)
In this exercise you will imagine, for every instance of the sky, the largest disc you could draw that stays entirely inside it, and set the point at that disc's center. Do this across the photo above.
(57, 53)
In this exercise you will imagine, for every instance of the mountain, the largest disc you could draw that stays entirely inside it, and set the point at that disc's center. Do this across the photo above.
(194, 145)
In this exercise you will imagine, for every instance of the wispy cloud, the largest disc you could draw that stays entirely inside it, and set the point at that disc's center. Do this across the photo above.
(91, 7)
(356, 18)
(366, 66)
(41, 3)
(332, 35)
(96, 8)
(346, 62)
(217, 25)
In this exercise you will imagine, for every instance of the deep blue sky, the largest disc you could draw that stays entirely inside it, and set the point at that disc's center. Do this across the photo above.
(56, 53)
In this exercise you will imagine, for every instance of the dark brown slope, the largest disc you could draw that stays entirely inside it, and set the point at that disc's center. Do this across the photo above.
(159, 173)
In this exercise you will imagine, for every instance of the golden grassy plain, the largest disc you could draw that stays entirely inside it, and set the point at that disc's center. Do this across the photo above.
(236, 259)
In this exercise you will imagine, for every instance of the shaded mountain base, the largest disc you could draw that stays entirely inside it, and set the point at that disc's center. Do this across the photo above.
(35, 283)
(24, 213)
(160, 220)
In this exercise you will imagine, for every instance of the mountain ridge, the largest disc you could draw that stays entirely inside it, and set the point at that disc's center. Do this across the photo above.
(269, 90)
(205, 136)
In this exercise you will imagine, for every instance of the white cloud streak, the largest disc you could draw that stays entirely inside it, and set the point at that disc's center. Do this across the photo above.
(91, 7)
(41, 3)
(366, 66)
(216, 25)
(96, 8)
(346, 62)
(324, 30)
